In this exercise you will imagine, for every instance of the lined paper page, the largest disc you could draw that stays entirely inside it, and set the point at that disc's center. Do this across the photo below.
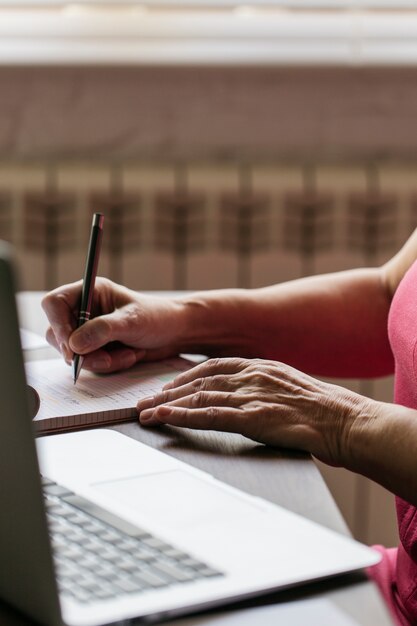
(95, 399)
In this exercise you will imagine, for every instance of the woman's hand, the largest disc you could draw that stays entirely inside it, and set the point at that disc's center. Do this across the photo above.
(125, 327)
(264, 400)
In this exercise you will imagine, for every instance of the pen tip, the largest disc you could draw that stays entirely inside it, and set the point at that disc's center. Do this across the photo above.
(76, 367)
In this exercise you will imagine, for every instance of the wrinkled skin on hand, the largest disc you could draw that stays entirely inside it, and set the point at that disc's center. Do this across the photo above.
(267, 401)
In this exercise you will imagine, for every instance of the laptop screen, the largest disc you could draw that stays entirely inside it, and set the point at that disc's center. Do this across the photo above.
(26, 575)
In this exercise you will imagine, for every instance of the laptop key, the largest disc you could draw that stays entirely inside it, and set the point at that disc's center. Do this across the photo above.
(127, 584)
(190, 562)
(154, 542)
(173, 572)
(143, 554)
(178, 555)
(108, 536)
(127, 565)
(151, 579)
(56, 490)
(208, 572)
(127, 544)
(103, 593)
(46, 481)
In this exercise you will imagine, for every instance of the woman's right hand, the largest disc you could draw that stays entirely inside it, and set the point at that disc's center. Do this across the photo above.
(125, 326)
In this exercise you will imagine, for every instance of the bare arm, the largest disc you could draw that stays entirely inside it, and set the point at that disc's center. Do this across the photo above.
(330, 325)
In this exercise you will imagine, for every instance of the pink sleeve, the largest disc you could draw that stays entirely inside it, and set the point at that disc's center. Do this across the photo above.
(407, 558)
(396, 574)
(384, 575)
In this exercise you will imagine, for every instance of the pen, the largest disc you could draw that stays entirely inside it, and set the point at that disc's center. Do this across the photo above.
(88, 282)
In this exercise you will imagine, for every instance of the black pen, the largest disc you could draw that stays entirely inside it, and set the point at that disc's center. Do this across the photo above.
(88, 282)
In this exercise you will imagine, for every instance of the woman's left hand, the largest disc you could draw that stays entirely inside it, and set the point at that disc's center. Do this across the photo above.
(267, 401)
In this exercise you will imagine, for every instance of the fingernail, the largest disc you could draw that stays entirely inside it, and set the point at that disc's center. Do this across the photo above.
(145, 403)
(146, 416)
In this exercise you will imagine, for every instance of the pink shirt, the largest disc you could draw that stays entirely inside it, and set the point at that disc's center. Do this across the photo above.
(396, 575)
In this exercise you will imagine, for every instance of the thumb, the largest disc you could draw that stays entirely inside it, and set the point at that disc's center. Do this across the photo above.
(98, 332)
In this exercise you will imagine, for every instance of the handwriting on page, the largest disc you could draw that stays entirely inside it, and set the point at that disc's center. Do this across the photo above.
(94, 393)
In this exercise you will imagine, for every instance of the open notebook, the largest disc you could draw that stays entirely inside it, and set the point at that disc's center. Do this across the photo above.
(96, 400)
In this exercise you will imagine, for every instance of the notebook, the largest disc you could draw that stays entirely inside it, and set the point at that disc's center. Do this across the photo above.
(93, 516)
(96, 400)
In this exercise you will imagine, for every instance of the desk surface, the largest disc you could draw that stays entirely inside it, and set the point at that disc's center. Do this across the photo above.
(289, 479)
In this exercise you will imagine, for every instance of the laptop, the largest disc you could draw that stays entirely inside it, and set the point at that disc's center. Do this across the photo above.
(97, 528)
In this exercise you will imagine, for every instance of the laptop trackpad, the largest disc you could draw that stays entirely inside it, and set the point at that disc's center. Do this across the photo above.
(179, 497)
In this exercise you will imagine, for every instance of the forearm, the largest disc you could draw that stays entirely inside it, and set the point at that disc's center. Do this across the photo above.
(330, 325)
(381, 444)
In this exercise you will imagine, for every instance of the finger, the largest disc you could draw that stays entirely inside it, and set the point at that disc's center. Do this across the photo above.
(51, 339)
(226, 419)
(197, 400)
(59, 306)
(218, 383)
(108, 361)
(69, 294)
(100, 331)
(212, 367)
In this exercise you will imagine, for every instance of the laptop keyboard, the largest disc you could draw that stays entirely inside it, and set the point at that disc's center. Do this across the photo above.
(99, 556)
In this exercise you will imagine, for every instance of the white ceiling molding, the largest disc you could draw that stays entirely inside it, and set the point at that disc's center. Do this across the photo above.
(332, 5)
(132, 33)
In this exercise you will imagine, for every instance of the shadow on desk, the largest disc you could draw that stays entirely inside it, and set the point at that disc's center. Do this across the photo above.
(220, 444)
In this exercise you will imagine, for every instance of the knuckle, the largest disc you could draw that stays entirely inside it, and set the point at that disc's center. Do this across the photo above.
(175, 382)
(103, 281)
(211, 416)
(46, 302)
(196, 399)
(230, 398)
(258, 362)
(49, 333)
(160, 397)
(258, 377)
(50, 337)
(215, 363)
(199, 384)
(101, 331)
(219, 382)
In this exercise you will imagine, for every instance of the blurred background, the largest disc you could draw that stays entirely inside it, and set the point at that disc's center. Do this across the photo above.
(228, 144)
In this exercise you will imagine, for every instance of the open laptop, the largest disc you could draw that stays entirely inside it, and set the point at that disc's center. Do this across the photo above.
(97, 528)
